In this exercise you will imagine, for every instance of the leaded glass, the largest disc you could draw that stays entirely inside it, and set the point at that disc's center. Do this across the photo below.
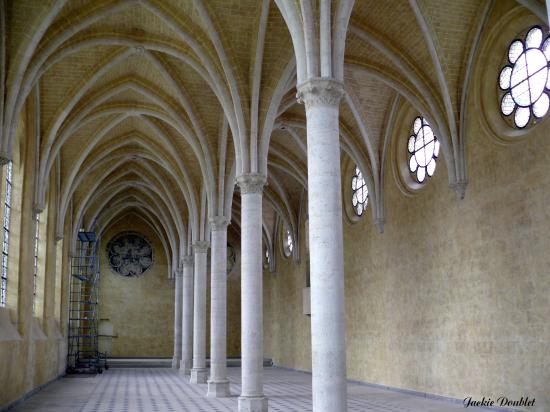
(525, 80)
(6, 237)
(288, 243)
(36, 245)
(360, 193)
(423, 148)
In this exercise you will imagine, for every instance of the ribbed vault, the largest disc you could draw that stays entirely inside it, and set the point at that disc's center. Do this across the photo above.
(149, 109)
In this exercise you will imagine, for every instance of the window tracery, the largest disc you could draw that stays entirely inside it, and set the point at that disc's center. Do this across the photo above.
(525, 79)
(423, 148)
(35, 274)
(6, 238)
(360, 193)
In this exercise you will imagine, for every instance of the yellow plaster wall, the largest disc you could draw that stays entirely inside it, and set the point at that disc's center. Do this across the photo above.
(30, 360)
(141, 309)
(453, 298)
(287, 332)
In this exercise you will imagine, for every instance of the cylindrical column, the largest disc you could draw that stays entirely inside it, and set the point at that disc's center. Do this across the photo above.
(177, 320)
(199, 372)
(252, 398)
(187, 316)
(218, 385)
(328, 332)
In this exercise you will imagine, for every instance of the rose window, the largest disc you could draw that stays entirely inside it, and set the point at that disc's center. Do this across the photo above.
(525, 79)
(360, 193)
(423, 150)
(130, 254)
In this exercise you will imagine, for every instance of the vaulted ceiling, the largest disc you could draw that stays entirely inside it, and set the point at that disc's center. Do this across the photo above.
(150, 108)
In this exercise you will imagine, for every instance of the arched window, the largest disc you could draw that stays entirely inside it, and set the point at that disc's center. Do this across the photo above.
(525, 79)
(288, 243)
(6, 238)
(423, 150)
(36, 244)
(360, 193)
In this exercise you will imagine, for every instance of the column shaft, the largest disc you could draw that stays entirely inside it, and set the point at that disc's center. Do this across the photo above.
(177, 320)
(187, 316)
(218, 385)
(252, 397)
(199, 372)
(328, 330)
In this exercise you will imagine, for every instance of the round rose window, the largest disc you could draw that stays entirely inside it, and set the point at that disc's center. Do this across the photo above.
(130, 254)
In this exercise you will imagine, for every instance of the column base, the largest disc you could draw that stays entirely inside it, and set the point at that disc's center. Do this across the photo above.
(218, 389)
(175, 363)
(252, 404)
(185, 367)
(198, 375)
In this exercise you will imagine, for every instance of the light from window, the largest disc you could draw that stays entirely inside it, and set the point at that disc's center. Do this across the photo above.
(288, 243)
(423, 150)
(6, 239)
(35, 277)
(360, 195)
(525, 79)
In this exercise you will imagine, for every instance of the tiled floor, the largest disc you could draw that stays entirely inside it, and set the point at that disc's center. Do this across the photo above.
(163, 389)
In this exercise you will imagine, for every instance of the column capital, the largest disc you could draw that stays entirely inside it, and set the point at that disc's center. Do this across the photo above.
(251, 183)
(187, 260)
(200, 246)
(218, 223)
(4, 159)
(320, 92)
(179, 272)
(37, 208)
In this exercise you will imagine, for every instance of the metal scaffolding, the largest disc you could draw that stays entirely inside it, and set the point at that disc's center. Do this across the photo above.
(83, 354)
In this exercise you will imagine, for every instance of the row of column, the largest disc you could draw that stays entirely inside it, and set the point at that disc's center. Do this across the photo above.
(321, 98)
(190, 325)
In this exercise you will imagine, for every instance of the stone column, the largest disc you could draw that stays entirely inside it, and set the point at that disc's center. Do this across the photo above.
(177, 320)
(328, 332)
(252, 398)
(199, 372)
(187, 316)
(218, 385)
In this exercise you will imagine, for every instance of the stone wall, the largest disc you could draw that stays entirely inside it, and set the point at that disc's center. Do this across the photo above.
(141, 309)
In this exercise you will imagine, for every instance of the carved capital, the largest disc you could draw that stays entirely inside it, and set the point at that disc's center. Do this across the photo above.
(251, 183)
(200, 246)
(37, 208)
(187, 260)
(320, 92)
(4, 159)
(218, 223)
